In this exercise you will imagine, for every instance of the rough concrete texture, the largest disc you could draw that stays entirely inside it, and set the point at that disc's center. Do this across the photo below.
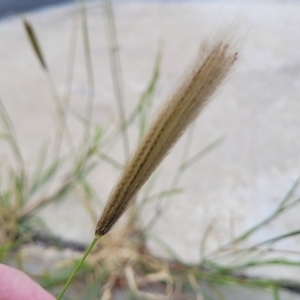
(257, 110)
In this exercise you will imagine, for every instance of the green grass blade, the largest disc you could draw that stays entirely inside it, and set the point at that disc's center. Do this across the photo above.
(111, 34)
(277, 238)
(204, 240)
(13, 142)
(89, 71)
(165, 247)
(110, 161)
(80, 263)
(289, 194)
(4, 136)
(203, 152)
(146, 192)
(11, 135)
(136, 110)
(281, 207)
(46, 176)
(147, 97)
(185, 165)
(229, 269)
(158, 196)
(40, 165)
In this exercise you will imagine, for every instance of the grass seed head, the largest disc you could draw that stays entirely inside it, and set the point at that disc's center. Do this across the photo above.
(210, 68)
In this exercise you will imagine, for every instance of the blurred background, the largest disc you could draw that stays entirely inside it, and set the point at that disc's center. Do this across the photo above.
(12, 7)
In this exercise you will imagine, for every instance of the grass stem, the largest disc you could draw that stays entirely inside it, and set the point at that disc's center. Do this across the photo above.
(88, 250)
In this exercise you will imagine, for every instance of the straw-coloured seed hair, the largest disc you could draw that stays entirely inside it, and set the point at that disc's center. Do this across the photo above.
(172, 120)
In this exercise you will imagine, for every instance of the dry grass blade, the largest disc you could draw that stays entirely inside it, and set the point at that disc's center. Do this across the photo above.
(174, 117)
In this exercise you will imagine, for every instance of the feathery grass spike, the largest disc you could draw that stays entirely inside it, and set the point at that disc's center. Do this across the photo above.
(34, 42)
(211, 67)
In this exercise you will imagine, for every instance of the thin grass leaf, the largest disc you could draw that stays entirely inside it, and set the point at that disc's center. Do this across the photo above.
(191, 161)
(9, 126)
(86, 194)
(162, 194)
(252, 256)
(164, 246)
(71, 63)
(137, 211)
(19, 190)
(40, 163)
(62, 191)
(59, 194)
(278, 261)
(148, 95)
(47, 175)
(291, 204)
(89, 71)
(4, 136)
(93, 148)
(250, 264)
(115, 66)
(110, 161)
(85, 170)
(113, 138)
(289, 194)
(161, 207)
(148, 188)
(187, 144)
(204, 240)
(280, 208)
(277, 238)
(157, 197)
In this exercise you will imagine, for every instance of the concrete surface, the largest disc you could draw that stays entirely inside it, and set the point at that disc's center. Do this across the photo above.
(239, 183)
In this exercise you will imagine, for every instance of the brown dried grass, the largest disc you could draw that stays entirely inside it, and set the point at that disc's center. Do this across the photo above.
(210, 68)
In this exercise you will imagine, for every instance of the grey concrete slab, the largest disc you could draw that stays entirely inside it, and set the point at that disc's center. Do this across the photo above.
(239, 183)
